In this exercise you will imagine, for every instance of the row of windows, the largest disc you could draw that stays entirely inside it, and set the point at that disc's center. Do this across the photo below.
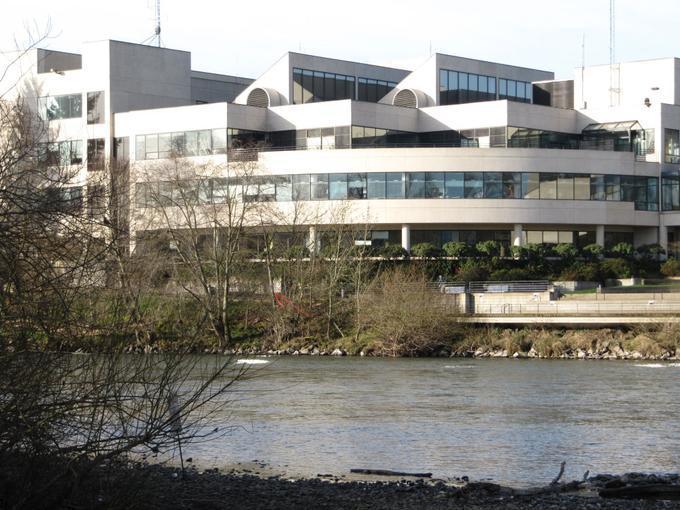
(374, 90)
(315, 86)
(70, 106)
(195, 143)
(458, 88)
(207, 142)
(65, 153)
(412, 185)
(515, 90)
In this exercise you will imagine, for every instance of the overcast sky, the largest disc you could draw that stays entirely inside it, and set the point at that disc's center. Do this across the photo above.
(245, 37)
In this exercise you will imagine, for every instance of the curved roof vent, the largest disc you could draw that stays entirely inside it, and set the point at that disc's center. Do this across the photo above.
(410, 98)
(258, 97)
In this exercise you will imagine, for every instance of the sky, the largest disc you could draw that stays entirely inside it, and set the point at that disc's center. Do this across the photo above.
(244, 38)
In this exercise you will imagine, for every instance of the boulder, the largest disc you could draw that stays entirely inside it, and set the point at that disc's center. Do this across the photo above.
(338, 352)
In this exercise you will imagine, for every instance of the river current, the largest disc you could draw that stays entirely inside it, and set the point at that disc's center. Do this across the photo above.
(512, 421)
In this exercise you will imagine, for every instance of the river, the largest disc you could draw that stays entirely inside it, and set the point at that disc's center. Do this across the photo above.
(512, 421)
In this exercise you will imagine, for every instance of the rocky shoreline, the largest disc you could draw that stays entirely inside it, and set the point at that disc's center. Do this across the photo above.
(212, 489)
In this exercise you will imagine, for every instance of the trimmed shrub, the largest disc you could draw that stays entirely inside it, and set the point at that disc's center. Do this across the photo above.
(616, 268)
(623, 250)
(584, 272)
(456, 249)
(393, 251)
(513, 274)
(426, 250)
(566, 251)
(593, 251)
(671, 268)
(650, 251)
(489, 248)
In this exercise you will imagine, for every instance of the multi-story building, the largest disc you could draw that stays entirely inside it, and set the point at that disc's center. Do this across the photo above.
(458, 149)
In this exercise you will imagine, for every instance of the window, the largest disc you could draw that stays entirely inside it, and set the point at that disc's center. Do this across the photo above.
(597, 187)
(565, 186)
(319, 186)
(613, 187)
(61, 107)
(316, 86)
(458, 87)
(434, 185)
(530, 185)
(356, 186)
(95, 107)
(582, 187)
(376, 185)
(548, 186)
(455, 187)
(394, 185)
(121, 149)
(301, 187)
(95, 154)
(415, 185)
(338, 186)
(672, 146)
(512, 185)
(474, 185)
(283, 188)
(493, 184)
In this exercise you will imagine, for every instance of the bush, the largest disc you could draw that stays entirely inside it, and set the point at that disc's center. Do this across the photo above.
(404, 315)
(616, 268)
(297, 252)
(584, 272)
(456, 249)
(650, 251)
(426, 250)
(514, 274)
(393, 251)
(671, 268)
(471, 271)
(531, 252)
(623, 250)
(489, 248)
(593, 251)
(566, 251)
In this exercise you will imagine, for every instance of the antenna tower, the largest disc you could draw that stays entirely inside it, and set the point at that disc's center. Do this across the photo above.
(614, 70)
(157, 30)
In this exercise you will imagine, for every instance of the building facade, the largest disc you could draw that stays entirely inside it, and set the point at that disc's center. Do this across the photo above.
(455, 150)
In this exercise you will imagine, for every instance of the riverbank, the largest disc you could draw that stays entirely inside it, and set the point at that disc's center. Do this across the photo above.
(662, 344)
(166, 487)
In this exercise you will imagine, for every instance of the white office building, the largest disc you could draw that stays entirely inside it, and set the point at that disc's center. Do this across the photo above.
(455, 150)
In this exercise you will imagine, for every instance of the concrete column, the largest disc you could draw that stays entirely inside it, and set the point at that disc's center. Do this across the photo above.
(406, 237)
(517, 235)
(663, 236)
(599, 235)
(312, 241)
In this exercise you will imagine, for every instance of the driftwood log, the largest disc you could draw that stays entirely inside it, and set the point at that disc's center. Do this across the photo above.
(387, 472)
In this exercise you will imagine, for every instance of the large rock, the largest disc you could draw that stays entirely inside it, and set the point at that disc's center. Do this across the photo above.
(338, 352)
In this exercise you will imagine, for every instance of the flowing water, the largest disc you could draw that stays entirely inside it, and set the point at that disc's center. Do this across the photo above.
(508, 420)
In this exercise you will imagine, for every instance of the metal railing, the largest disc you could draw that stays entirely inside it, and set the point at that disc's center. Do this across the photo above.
(513, 286)
(577, 308)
